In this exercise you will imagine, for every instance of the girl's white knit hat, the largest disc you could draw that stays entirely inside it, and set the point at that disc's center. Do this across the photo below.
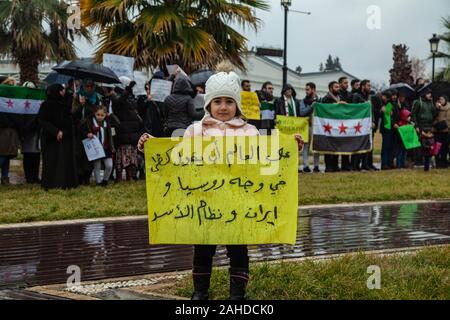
(223, 84)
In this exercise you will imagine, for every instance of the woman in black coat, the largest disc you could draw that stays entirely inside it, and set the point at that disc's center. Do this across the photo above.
(58, 141)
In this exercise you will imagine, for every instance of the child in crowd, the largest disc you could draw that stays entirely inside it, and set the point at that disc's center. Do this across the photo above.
(404, 157)
(223, 116)
(98, 125)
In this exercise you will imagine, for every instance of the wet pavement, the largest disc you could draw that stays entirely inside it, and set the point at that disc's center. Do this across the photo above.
(40, 255)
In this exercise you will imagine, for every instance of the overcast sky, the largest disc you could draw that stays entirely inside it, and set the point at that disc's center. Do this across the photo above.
(340, 28)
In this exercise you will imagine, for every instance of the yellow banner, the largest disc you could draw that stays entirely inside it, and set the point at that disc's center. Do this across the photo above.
(250, 105)
(292, 125)
(229, 190)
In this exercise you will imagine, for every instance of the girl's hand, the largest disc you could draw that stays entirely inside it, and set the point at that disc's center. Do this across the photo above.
(299, 140)
(142, 141)
(82, 100)
(90, 136)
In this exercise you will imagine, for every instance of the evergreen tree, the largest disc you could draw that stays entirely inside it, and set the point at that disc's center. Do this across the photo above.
(402, 69)
(329, 65)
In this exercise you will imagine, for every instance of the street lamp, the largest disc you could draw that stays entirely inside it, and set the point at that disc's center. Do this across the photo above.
(434, 45)
(286, 4)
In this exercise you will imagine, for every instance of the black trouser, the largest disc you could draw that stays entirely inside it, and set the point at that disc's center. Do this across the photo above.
(331, 163)
(345, 163)
(31, 162)
(441, 158)
(203, 256)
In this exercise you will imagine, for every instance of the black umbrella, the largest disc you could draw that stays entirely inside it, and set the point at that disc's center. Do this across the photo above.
(81, 69)
(199, 78)
(54, 77)
(404, 88)
(437, 88)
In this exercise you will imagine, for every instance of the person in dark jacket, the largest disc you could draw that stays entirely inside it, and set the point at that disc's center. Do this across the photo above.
(344, 94)
(332, 97)
(83, 105)
(365, 160)
(288, 104)
(29, 137)
(307, 109)
(59, 168)
(267, 100)
(423, 115)
(180, 108)
(154, 114)
(127, 133)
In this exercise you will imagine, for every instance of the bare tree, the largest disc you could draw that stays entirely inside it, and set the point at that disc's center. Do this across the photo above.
(417, 68)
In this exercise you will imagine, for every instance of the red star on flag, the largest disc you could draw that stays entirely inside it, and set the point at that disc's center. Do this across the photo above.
(327, 128)
(27, 104)
(343, 129)
(358, 128)
(10, 103)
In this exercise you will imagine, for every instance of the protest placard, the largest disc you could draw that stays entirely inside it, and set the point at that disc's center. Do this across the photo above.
(122, 66)
(160, 89)
(93, 148)
(250, 105)
(409, 137)
(293, 125)
(222, 190)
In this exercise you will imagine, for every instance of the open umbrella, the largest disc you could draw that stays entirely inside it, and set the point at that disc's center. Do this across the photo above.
(437, 88)
(81, 69)
(200, 77)
(404, 88)
(54, 77)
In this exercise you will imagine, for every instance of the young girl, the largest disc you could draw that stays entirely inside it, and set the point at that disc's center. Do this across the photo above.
(223, 116)
(98, 125)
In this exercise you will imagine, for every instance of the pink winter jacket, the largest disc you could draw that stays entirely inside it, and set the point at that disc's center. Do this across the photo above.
(210, 127)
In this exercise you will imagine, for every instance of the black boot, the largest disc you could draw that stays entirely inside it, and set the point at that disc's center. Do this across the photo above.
(238, 283)
(201, 277)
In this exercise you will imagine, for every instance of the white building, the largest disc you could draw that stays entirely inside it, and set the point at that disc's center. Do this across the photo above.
(261, 69)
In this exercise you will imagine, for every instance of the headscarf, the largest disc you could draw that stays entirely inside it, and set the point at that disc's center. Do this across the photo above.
(54, 90)
(92, 97)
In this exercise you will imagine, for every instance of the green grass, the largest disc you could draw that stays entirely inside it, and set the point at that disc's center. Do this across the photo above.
(24, 203)
(394, 185)
(423, 275)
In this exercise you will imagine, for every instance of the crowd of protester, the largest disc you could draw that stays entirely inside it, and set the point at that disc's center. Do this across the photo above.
(80, 110)
(429, 114)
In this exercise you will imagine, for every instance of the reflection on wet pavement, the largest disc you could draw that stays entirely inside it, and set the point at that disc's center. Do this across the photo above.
(31, 256)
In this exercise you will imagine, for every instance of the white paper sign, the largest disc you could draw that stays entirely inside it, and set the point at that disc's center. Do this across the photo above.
(160, 89)
(141, 79)
(122, 66)
(93, 148)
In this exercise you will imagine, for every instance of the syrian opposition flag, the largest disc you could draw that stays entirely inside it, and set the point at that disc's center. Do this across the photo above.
(19, 105)
(20, 100)
(342, 128)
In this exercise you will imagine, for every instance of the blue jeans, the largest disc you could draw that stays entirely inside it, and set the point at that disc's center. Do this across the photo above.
(4, 165)
(401, 158)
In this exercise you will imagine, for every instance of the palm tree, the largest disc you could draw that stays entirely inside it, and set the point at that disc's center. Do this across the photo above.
(444, 74)
(190, 33)
(32, 31)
